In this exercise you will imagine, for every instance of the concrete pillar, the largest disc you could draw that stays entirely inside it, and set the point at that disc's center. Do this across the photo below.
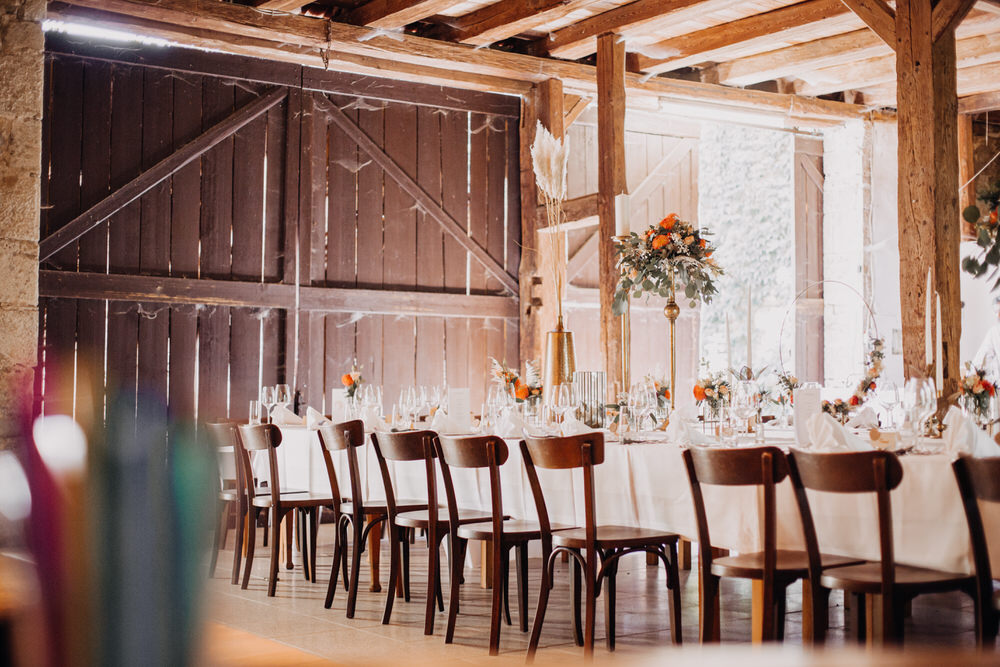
(21, 81)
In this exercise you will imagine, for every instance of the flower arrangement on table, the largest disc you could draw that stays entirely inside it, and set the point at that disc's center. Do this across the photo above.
(530, 389)
(713, 391)
(977, 392)
(873, 370)
(785, 389)
(662, 389)
(351, 381)
(669, 255)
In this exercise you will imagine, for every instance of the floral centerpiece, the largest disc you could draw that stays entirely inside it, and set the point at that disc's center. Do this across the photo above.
(662, 389)
(977, 393)
(785, 389)
(351, 382)
(530, 389)
(839, 409)
(712, 391)
(873, 370)
(669, 255)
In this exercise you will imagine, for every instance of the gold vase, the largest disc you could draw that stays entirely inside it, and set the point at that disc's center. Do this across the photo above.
(560, 357)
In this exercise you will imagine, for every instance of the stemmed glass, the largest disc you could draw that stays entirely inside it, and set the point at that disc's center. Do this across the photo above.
(889, 396)
(267, 400)
(745, 398)
(564, 401)
(282, 395)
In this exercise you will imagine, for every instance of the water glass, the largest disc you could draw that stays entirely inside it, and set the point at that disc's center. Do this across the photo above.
(255, 413)
(282, 394)
(267, 400)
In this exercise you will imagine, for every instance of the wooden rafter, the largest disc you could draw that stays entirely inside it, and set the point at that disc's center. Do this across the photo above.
(971, 81)
(778, 24)
(981, 103)
(574, 210)
(149, 178)
(424, 200)
(227, 26)
(878, 16)
(164, 289)
(580, 39)
(391, 14)
(573, 106)
(948, 14)
(501, 20)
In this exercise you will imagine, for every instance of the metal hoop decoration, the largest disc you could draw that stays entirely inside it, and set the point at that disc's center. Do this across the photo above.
(781, 331)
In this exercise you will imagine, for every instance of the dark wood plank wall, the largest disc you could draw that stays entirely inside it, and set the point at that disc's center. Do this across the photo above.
(288, 198)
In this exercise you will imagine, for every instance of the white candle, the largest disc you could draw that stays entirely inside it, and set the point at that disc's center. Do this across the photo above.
(749, 330)
(729, 346)
(621, 215)
(928, 341)
(939, 361)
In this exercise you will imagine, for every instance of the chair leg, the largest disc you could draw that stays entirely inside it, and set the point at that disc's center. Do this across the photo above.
(221, 516)
(314, 519)
(504, 581)
(302, 532)
(674, 584)
(522, 586)
(405, 548)
(858, 616)
(433, 580)
(438, 593)
(393, 572)
(820, 614)
(710, 593)
(453, 585)
(352, 591)
(575, 602)
(251, 541)
(501, 561)
(267, 526)
(343, 552)
(780, 595)
(241, 521)
(609, 604)
(590, 607)
(338, 545)
(767, 611)
(288, 539)
(543, 603)
(272, 581)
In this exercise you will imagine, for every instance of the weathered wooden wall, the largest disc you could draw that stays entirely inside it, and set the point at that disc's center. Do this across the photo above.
(291, 203)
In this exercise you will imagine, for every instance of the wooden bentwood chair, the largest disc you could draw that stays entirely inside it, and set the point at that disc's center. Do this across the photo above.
(230, 498)
(875, 472)
(599, 544)
(775, 568)
(979, 479)
(487, 452)
(435, 520)
(362, 516)
(267, 437)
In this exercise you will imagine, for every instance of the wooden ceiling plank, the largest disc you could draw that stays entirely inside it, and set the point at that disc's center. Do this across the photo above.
(700, 46)
(580, 39)
(282, 5)
(972, 81)
(501, 20)
(393, 14)
(878, 16)
(230, 25)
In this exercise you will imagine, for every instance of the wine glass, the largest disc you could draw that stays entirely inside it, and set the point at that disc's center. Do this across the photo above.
(282, 395)
(744, 400)
(267, 400)
(889, 396)
(564, 400)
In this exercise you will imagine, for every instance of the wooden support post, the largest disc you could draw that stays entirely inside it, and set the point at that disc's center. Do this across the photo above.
(966, 168)
(611, 182)
(530, 345)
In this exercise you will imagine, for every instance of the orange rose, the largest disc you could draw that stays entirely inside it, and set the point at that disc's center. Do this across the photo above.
(702, 243)
(347, 380)
(993, 217)
(521, 390)
(660, 241)
(699, 393)
(668, 222)
(688, 240)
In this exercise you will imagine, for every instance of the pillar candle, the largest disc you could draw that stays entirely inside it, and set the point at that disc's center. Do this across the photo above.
(939, 361)
(928, 341)
(749, 329)
(621, 215)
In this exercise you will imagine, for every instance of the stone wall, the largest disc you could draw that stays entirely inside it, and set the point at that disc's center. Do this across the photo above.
(21, 80)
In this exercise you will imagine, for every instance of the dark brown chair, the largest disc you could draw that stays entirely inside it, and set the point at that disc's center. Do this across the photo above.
(979, 479)
(361, 515)
(776, 568)
(435, 520)
(232, 500)
(875, 472)
(487, 452)
(603, 545)
(267, 437)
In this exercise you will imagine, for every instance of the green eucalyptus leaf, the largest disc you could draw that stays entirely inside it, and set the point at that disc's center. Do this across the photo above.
(971, 214)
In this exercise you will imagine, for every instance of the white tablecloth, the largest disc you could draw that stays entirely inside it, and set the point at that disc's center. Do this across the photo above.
(646, 484)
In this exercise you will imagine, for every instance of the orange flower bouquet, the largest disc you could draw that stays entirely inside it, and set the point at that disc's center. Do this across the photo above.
(529, 389)
(672, 254)
(713, 391)
(351, 382)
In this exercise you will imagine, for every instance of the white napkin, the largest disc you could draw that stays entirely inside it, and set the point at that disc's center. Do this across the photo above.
(865, 418)
(370, 416)
(826, 435)
(962, 436)
(314, 418)
(510, 426)
(285, 417)
(442, 423)
(573, 426)
(680, 432)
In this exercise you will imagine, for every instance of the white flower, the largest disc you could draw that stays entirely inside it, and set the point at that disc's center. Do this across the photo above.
(550, 157)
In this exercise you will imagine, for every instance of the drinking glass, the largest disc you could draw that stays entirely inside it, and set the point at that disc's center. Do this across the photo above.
(889, 396)
(564, 400)
(282, 394)
(255, 413)
(744, 402)
(267, 400)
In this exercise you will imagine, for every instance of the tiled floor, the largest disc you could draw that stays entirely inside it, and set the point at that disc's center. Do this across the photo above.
(296, 616)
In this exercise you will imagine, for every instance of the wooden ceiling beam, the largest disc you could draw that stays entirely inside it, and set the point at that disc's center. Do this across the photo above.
(580, 39)
(878, 16)
(501, 20)
(972, 81)
(574, 105)
(981, 103)
(761, 29)
(948, 14)
(228, 27)
(281, 5)
(392, 14)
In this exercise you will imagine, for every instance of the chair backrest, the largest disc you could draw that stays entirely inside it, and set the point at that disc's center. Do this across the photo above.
(340, 437)
(978, 479)
(225, 435)
(875, 472)
(263, 437)
(408, 446)
(566, 453)
(759, 466)
(486, 451)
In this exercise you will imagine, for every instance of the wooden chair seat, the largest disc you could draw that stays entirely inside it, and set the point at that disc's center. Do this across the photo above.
(229, 495)
(790, 564)
(867, 578)
(381, 507)
(614, 537)
(296, 499)
(420, 518)
(513, 530)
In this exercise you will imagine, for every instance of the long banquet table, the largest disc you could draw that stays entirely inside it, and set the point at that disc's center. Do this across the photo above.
(646, 484)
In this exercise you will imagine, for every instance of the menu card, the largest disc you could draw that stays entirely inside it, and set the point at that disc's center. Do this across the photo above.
(808, 402)
(460, 408)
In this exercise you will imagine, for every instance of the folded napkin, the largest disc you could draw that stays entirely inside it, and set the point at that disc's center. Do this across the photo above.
(962, 436)
(826, 435)
(282, 416)
(865, 418)
(442, 423)
(679, 431)
(371, 418)
(314, 418)
(510, 425)
(573, 426)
